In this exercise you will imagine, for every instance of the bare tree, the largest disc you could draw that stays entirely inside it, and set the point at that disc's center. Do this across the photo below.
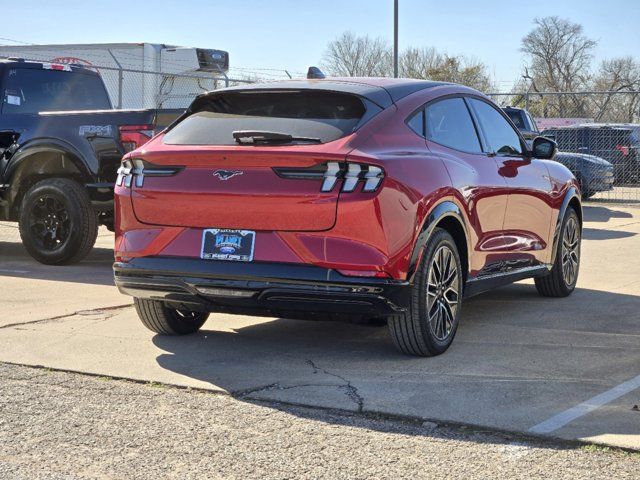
(559, 55)
(617, 75)
(462, 70)
(351, 56)
(418, 62)
(559, 59)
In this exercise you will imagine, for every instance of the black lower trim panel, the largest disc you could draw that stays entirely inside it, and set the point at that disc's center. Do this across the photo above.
(482, 284)
(258, 288)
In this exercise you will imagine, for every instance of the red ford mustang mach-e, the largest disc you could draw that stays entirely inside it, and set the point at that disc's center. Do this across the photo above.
(384, 198)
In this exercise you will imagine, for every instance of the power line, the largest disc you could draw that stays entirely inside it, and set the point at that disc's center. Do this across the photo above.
(15, 41)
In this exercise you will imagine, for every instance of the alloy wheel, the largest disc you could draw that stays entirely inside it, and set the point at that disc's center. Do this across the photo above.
(443, 294)
(570, 251)
(49, 222)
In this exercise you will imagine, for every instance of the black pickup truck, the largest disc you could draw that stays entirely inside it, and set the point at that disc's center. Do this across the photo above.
(60, 147)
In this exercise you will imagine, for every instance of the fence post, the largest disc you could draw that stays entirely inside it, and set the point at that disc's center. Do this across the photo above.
(526, 101)
(120, 78)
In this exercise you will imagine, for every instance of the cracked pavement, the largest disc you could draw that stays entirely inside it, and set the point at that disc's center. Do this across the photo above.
(518, 359)
(349, 390)
(58, 425)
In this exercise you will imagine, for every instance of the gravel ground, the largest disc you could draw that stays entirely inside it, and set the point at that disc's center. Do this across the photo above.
(56, 425)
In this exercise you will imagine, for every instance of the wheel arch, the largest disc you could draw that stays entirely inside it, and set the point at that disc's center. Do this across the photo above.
(448, 216)
(39, 160)
(571, 200)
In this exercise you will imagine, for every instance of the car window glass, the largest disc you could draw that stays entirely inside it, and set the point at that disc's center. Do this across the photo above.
(29, 90)
(416, 122)
(319, 114)
(516, 118)
(449, 123)
(502, 138)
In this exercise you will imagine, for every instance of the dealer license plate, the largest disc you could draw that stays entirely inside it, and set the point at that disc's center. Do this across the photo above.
(231, 245)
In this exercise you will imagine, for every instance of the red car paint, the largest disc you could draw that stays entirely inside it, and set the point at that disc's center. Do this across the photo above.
(510, 205)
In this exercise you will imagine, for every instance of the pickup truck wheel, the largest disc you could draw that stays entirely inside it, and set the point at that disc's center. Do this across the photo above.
(57, 224)
(161, 318)
(429, 325)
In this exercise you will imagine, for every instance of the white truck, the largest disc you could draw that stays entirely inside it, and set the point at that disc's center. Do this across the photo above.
(139, 75)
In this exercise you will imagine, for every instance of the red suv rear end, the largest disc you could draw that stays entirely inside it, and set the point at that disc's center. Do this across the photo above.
(301, 199)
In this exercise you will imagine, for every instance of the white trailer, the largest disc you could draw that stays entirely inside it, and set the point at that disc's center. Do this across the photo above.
(139, 75)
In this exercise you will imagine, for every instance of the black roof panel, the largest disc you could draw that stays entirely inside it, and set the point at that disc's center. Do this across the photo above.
(382, 91)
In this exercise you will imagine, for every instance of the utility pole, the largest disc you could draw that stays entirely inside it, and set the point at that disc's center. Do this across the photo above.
(395, 38)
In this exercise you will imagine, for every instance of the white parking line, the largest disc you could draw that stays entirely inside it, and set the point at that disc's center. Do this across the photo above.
(561, 419)
(6, 270)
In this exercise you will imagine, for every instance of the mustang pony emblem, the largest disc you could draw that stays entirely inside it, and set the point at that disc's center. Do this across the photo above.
(227, 174)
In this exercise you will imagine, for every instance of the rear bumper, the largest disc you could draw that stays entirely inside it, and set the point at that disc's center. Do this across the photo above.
(259, 288)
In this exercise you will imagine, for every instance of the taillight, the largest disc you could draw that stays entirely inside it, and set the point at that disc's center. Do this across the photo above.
(623, 149)
(352, 173)
(138, 169)
(134, 136)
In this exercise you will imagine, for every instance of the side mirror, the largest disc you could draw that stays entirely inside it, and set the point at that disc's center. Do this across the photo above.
(543, 148)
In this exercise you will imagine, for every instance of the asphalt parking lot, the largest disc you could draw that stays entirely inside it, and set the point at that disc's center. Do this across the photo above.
(564, 368)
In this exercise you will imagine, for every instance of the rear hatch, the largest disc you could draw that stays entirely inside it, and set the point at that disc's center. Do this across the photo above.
(274, 176)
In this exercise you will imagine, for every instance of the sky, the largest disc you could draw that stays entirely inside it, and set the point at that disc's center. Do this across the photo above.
(292, 35)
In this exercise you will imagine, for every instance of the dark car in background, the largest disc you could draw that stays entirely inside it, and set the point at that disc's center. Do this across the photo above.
(594, 174)
(619, 144)
(523, 122)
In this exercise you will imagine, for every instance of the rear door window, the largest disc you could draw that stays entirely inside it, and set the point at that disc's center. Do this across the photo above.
(32, 90)
(317, 114)
(449, 123)
(502, 138)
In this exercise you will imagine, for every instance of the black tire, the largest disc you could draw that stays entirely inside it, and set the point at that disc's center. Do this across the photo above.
(160, 318)
(413, 333)
(67, 233)
(557, 283)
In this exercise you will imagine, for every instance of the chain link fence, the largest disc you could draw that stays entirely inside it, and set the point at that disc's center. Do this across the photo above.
(129, 88)
(143, 89)
(598, 136)
(598, 133)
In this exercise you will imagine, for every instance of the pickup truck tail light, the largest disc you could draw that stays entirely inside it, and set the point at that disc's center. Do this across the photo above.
(623, 149)
(134, 136)
(370, 176)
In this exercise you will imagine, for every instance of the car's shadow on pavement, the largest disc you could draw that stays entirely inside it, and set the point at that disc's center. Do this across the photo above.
(601, 234)
(517, 359)
(597, 213)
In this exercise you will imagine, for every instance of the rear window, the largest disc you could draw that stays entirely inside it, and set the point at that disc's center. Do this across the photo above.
(324, 115)
(34, 90)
